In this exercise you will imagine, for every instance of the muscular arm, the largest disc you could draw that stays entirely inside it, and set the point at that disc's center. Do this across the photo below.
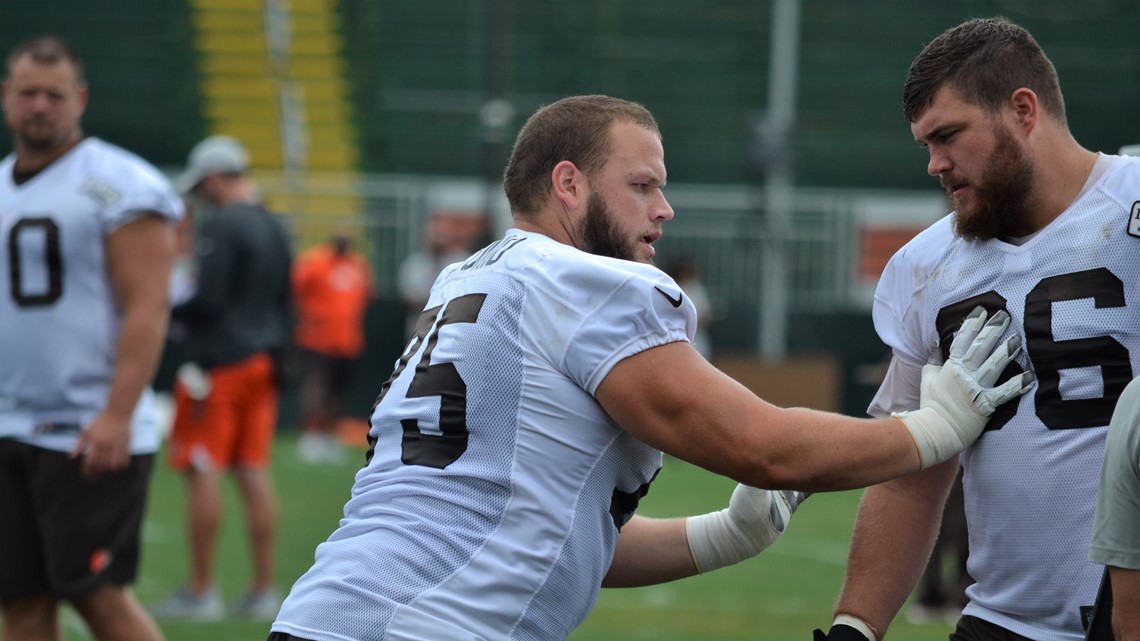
(140, 255)
(673, 399)
(1126, 603)
(894, 533)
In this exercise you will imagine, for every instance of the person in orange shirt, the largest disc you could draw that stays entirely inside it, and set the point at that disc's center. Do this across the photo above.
(332, 286)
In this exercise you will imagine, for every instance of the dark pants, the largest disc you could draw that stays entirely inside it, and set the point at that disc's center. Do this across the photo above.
(281, 636)
(935, 589)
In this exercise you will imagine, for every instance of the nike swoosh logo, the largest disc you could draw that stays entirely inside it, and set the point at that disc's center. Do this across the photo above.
(675, 302)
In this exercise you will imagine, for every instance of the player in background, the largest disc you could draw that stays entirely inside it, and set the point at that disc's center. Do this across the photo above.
(528, 414)
(86, 248)
(1047, 231)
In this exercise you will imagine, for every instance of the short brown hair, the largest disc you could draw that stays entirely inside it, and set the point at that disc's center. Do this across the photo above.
(575, 129)
(984, 60)
(46, 50)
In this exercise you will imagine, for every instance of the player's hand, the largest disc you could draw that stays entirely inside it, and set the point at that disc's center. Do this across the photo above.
(838, 632)
(958, 398)
(104, 445)
(763, 514)
(754, 519)
(978, 364)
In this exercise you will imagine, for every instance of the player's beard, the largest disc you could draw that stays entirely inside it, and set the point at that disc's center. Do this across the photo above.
(998, 207)
(600, 233)
(41, 135)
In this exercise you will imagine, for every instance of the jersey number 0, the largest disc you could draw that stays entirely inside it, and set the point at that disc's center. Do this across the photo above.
(46, 228)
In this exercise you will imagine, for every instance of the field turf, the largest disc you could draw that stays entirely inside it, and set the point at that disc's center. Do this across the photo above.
(779, 596)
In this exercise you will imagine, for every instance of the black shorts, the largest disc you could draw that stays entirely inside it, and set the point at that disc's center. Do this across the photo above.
(63, 535)
(281, 636)
(331, 374)
(975, 629)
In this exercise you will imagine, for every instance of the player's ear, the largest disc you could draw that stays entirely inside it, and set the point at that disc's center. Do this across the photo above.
(568, 184)
(83, 98)
(1023, 103)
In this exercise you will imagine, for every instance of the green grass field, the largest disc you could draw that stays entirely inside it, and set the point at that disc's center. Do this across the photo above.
(779, 596)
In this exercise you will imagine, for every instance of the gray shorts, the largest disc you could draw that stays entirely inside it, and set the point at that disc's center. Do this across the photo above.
(62, 534)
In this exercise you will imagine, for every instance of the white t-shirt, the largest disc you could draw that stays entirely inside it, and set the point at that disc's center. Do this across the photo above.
(491, 505)
(1072, 291)
(59, 320)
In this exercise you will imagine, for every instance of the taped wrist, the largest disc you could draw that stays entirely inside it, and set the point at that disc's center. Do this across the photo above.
(846, 627)
(949, 417)
(935, 439)
(738, 532)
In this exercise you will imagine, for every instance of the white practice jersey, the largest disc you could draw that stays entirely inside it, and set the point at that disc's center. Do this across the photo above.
(58, 316)
(1030, 481)
(497, 484)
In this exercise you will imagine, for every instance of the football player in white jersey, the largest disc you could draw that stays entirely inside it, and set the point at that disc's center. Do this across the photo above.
(529, 412)
(1048, 232)
(86, 247)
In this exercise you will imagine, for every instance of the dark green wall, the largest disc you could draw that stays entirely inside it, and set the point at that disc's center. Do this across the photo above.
(424, 68)
(421, 70)
(143, 84)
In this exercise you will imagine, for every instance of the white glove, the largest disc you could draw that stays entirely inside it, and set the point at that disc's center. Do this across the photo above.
(195, 380)
(753, 520)
(956, 399)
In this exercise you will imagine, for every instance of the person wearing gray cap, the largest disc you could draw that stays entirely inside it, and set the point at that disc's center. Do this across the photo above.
(216, 155)
(234, 328)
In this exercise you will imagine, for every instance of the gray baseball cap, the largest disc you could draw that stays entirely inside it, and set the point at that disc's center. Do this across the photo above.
(213, 155)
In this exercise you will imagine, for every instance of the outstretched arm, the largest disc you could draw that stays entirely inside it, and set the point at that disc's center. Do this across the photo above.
(673, 399)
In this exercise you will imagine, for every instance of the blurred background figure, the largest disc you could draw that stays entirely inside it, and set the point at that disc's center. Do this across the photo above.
(332, 286)
(687, 273)
(226, 393)
(448, 238)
